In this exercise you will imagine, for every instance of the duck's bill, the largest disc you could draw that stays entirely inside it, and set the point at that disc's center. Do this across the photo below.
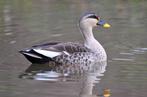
(104, 24)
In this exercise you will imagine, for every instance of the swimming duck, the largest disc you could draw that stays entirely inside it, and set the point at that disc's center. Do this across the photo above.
(71, 52)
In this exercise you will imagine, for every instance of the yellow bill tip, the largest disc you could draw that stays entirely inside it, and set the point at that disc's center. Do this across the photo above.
(106, 25)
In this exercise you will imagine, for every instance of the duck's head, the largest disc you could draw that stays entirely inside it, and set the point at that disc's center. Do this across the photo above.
(92, 20)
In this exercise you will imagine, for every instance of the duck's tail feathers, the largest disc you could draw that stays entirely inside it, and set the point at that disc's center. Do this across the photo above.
(35, 57)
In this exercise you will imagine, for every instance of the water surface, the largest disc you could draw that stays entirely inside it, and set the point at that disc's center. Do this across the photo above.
(24, 23)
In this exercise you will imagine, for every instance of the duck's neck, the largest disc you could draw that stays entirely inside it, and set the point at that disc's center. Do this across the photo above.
(87, 34)
(90, 41)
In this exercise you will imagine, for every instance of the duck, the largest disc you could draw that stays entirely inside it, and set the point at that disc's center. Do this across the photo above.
(71, 52)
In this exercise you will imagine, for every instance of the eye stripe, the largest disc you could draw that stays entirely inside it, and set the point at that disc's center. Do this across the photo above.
(93, 16)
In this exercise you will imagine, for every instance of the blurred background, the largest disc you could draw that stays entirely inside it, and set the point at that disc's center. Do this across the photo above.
(24, 23)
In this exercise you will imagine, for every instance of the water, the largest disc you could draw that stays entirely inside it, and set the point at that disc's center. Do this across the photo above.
(24, 23)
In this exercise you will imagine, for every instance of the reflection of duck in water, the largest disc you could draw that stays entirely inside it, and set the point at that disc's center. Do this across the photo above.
(87, 76)
(69, 52)
(56, 71)
(91, 79)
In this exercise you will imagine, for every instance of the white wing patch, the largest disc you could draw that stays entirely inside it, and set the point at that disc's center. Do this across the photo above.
(46, 53)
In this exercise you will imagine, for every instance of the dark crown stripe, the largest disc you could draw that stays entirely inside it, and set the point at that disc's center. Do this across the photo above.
(93, 16)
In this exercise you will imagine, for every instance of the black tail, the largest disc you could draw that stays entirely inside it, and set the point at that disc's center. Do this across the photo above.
(35, 57)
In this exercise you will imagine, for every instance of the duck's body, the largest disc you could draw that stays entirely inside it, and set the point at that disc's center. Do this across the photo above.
(69, 52)
(65, 53)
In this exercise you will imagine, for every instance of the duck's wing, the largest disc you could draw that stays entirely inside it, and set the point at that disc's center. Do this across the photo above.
(53, 49)
(68, 47)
